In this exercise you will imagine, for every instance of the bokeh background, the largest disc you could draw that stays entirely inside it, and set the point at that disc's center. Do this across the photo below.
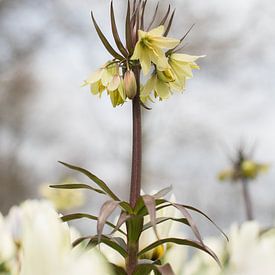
(47, 48)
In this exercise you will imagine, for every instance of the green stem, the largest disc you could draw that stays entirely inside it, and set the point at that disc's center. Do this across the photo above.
(247, 200)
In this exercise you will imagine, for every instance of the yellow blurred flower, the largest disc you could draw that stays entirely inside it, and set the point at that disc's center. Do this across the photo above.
(63, 199)
(149, 49)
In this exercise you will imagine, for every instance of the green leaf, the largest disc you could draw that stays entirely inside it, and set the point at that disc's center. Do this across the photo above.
(169, 23)
(111, 242)
(94, 178)
(162, 22)
(105, 212)
(115, 33)
(104, 40)
(154, 17)
(126, 207)
(77, 186)
(77, 216)
(128, 31)
(164, 219)
(187, 33)
(178, 241)
(144, 269)
(118, 270)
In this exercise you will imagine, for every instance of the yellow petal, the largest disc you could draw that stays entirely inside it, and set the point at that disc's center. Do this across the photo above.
(145, 61)
(137, 52)
(96, 76)
(185, 57)
(148, 87)
(162, 89)
(165, 42)
(115, 82)
(159, 31)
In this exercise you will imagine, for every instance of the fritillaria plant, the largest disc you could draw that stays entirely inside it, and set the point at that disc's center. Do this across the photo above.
(244, 170)
(149, 51)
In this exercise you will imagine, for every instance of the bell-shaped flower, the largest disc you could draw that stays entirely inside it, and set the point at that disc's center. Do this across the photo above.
(108, 78)
(149, 49)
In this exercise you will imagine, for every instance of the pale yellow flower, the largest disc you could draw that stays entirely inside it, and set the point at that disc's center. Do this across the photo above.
(163, 83)
(63, 199)
(108, 78)
(149, 49)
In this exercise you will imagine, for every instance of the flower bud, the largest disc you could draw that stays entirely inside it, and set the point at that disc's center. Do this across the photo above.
(130, 84)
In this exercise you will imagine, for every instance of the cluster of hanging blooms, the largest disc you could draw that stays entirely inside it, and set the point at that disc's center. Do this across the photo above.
(243, 168)
(148, 49)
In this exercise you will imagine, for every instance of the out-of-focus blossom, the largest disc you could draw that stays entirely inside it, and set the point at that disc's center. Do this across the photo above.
(249, 252)
(149, 49)
(63, 199)
(41, 244)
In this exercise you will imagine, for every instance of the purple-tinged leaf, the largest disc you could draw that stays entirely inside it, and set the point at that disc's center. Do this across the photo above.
(207, 217)
(123, 217)
(150, 203)
(154, 18)
(162, 22)
(187, 33)
(105, 212)
(128, 30)
(166, 269)
(142, 15)
(169, 24)
(115, 33)
(104, 40)
(163, 192)
(77, 186)
(190, 220)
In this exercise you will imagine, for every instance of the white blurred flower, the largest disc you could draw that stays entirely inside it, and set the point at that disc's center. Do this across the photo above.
(46, 245)
(249, 252)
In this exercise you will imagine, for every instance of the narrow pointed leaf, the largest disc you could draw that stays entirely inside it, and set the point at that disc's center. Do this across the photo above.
(126, 207)
(154, 17)
(93, 240)
(115, 33)
(143, 269)
(123, 217)
(105, 212)
(193, 226)
(169, 24)
(77, 186)
(187, 33)
(142, 15)
(163, 192)
(77, 216)
(178, 241)
(105, 42)
(164, 219)
(166, 269)
(162, 22)
(128, 31)
(94, 178)
(150, 203)
(207, 217)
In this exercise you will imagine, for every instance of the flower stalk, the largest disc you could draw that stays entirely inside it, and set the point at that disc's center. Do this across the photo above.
(247, 200)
